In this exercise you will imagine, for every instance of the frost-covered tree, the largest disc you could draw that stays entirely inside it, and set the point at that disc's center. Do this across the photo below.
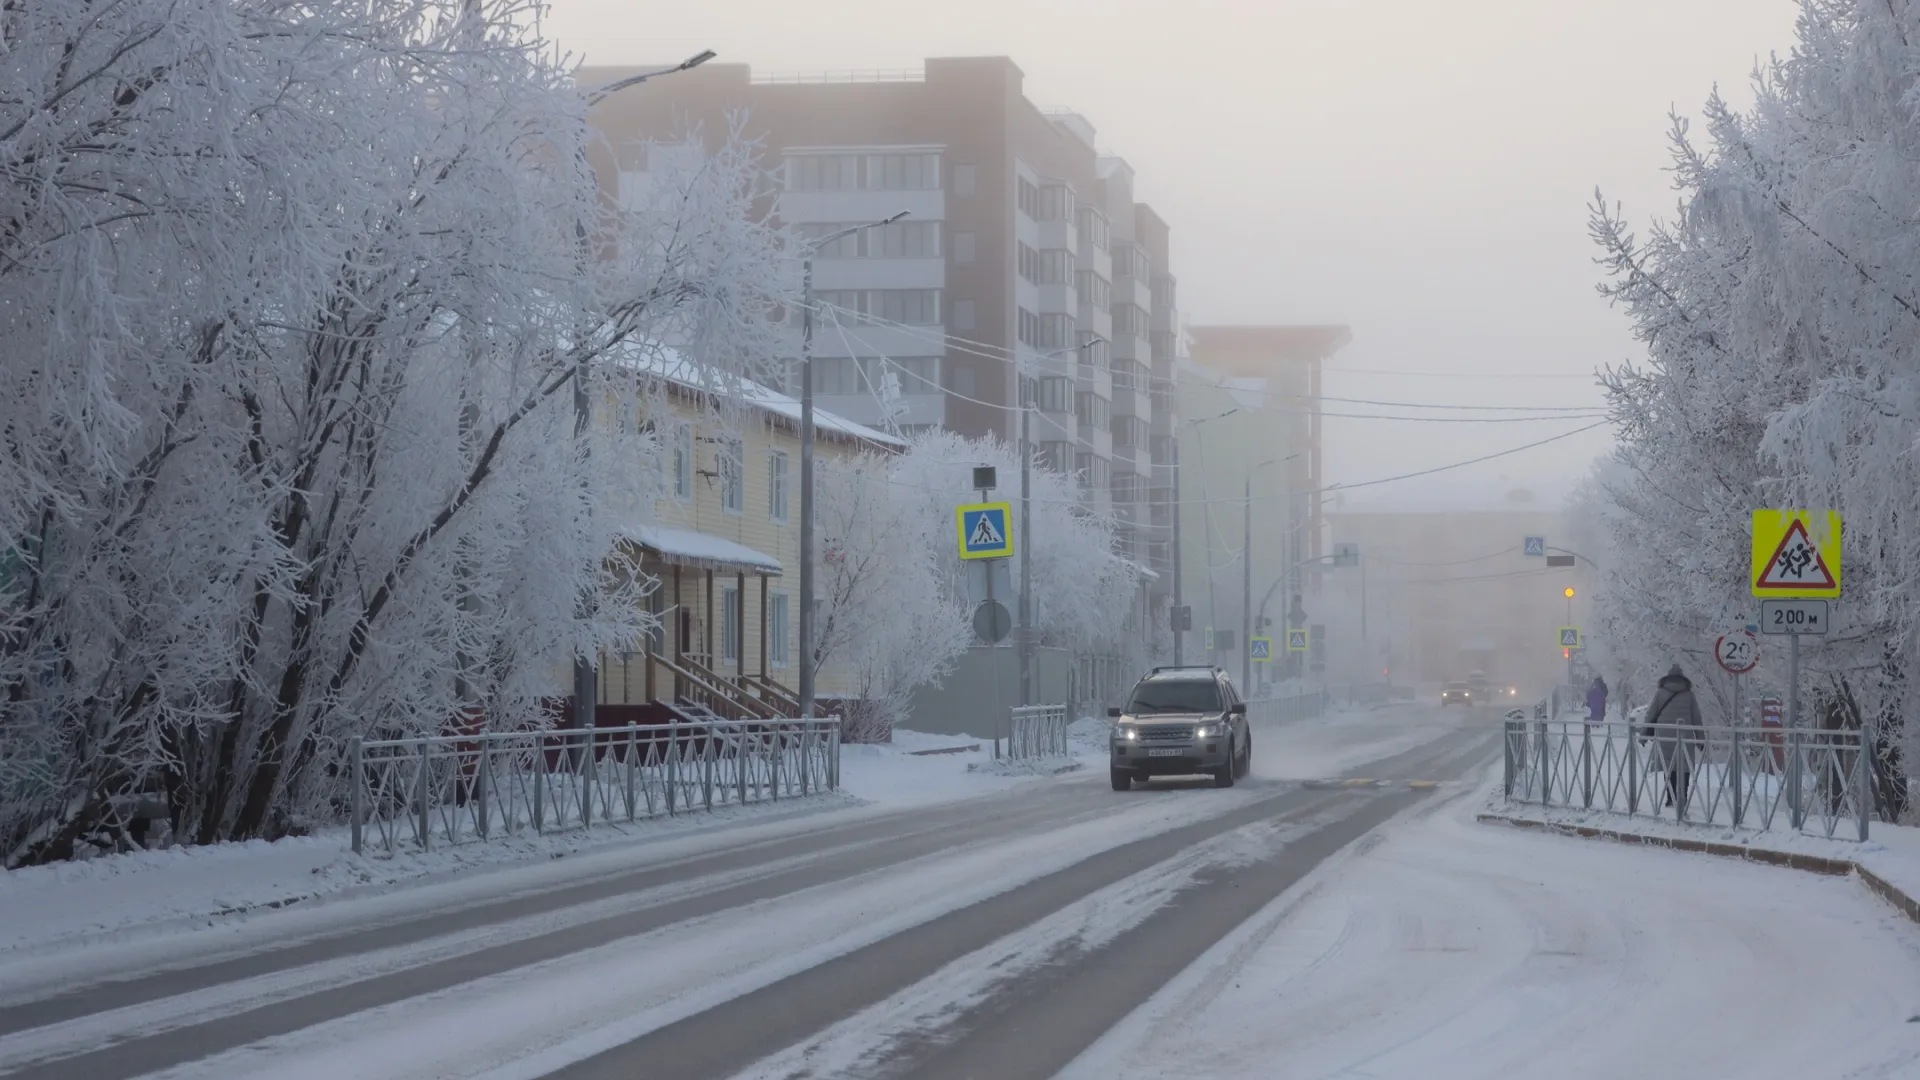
(1781, 311)
(297, 298)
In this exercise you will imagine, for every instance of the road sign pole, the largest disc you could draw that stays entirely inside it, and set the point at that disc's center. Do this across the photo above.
(993, 655)
(1794, 811)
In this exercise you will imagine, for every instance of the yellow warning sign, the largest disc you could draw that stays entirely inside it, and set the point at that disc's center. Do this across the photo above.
(1796, 553)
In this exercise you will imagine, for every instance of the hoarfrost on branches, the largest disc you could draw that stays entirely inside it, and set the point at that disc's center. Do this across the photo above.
(297, 299)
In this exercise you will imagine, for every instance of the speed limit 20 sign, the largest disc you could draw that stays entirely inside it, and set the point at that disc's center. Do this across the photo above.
(1737, 652)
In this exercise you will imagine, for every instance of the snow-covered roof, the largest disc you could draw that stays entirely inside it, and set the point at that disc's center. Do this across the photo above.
(669, 364)
(703, 551)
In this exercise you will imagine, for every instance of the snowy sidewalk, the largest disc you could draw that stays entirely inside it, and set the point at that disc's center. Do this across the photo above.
(119, 898)
(1888, 863)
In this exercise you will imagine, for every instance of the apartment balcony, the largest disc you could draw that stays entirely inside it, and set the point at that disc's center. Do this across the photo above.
(1059, 300)
(1059, 234)
(804, 207)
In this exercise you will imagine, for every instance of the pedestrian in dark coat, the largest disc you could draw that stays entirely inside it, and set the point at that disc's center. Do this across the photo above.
(1597, 700)
(1676, 748)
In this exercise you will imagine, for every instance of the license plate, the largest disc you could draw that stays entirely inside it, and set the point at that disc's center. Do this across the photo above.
(1165, 753)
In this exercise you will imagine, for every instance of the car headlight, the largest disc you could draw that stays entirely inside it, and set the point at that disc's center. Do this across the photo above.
(1126, 733)
(1209, 731)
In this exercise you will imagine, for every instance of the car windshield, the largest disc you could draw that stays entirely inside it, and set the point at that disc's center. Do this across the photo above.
(1175, 696)
(1455, 686)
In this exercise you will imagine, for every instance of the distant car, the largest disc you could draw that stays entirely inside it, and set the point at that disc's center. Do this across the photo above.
(1181, 721)
(1456, 693)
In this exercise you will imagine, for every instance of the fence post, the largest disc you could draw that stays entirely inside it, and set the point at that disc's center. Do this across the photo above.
(426, 814)
(1506, 750)
(357, 797)
(779, 739)
(633, 764)
(673, 766)
(1633, 772)
(539, 782)
(481, 824)
(806, 754)
(1734, 772)
(1796, 814)
(588, 773)
(1546, 767)
(1586, 766)
(1863, 781)
(706, 767)
(740, 760)
(833, 759)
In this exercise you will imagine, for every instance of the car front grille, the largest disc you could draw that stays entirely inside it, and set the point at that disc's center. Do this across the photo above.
(1167, 733)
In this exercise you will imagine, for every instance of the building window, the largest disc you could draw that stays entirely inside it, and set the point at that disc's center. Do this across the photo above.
(963, 315)
(914, 307)
(904, 240)
(965, 179)
(1056, 203)
(1057, 456)
(1027, 328)
(730, 625)
(777, 485)
(1093, 227)
(1095, 291)
(1027, 197)
(1093, 411)
(823, 172)
(1129, 431)
(1055, 331)
(777, 629)
(1028, 263)
(1052, 392)
(1126, 488)
(1130, 320)
(1164, 293)
(731, 467)
(917, 374)
(963, 248)
(903, 172)
(683, 461)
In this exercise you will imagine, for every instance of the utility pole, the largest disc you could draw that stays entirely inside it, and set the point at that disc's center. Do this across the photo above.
(1246, 586)
(1025, 539)
(1179, 634)
(586, 668)
(806, 457)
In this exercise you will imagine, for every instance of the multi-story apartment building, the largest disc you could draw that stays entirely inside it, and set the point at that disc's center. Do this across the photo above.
(1250, 478)
(1024, 265)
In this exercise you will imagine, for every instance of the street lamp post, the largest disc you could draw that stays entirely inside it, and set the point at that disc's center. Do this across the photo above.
(1246, 574)
(586, 668)
(806, 457)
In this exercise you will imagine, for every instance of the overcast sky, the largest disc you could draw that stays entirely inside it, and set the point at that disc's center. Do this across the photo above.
(1416, 170)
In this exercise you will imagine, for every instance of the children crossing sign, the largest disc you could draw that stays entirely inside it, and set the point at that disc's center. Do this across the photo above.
(1297, 640)
(1796, 553)
(1263, 650)
(984, 531)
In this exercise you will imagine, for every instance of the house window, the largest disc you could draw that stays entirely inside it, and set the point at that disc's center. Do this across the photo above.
(1027, 328)
(903, 172)
(777, 629)
(777, 485)
(823, 172)
(1055, 266)
(1093, 227)
(1055, 331)
(1095, 291)
(1027, 262)
(731, 467)
(730, 625)
(1053, 392)
(683, 461)
(1028, 199)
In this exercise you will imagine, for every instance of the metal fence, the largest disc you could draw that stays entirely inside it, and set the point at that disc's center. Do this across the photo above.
(1038, 731)
(1753, 778)
(1304, 705)
(462, 788)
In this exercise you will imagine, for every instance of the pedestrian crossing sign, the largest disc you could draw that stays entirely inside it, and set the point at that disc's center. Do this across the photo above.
(1297, 640)
(985, 532)
(1263, 650)
(1569, 637)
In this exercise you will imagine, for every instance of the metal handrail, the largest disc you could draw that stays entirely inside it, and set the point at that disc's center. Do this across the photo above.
(454, 789)
(1812, 780)
(1304, 705)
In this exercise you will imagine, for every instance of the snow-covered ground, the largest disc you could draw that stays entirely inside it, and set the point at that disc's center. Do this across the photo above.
(1443, 949)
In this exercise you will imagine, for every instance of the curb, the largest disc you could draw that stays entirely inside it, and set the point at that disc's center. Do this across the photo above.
(1817, 864)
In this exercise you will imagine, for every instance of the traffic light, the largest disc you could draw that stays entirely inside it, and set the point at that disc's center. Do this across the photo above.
(1566, 654)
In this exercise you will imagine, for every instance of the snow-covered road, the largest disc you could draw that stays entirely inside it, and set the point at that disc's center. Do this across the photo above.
(1445, 949)
(1175, 930)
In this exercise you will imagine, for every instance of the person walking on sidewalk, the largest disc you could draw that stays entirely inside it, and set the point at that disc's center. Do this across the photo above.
(1597, 701)
(1672, 710)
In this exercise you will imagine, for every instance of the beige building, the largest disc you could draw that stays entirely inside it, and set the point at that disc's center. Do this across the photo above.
(724, 546)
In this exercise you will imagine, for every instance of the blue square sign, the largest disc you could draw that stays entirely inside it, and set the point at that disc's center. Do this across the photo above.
(985, 531)
(1536, 545)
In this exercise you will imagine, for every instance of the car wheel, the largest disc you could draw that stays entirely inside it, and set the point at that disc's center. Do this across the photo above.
(1223, 776)
(1122, 779)
(1246, 758)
